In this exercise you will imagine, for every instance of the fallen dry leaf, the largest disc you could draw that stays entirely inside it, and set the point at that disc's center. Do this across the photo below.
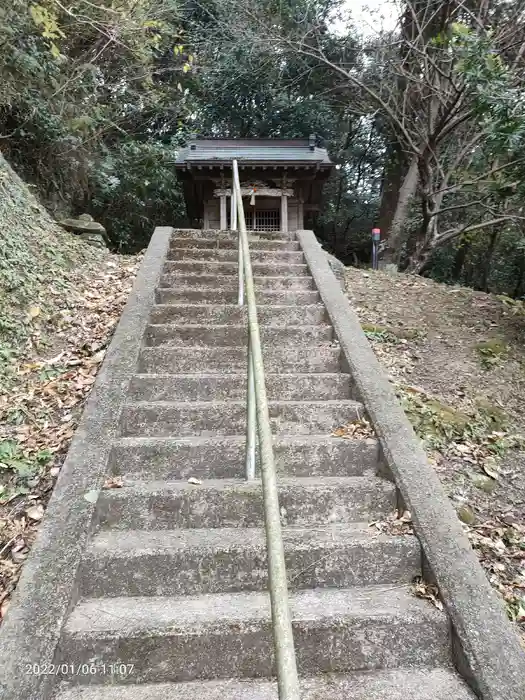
(41, 406)
(114, 482)
(491, 470)
(355, 430)
(394, 524)
(428, 591)
(35, 512)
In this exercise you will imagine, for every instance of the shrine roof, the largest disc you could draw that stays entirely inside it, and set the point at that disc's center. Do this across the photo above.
(277, 152)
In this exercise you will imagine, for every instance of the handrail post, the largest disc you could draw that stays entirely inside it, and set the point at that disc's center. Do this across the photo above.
(251, 417)
(287, 678)
(233, 224)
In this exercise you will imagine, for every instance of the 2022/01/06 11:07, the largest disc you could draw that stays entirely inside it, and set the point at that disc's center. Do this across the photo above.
(65, 669)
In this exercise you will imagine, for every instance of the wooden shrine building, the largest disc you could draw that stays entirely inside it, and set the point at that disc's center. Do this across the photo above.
(281, 181)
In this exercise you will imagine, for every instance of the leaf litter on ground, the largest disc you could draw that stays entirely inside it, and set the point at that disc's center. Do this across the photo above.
(440, 377)
(42, 398)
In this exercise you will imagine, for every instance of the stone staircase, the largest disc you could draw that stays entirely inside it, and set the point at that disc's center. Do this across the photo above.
(171, 600)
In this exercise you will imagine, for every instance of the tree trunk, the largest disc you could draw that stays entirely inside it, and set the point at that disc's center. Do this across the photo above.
(488, 260)
(396, 233)
(394, 172)
(459, 260)
(521, 278)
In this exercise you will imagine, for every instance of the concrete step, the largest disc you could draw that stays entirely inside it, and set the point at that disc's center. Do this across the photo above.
(187, 295)
(194, 334)
(229, 635)
(233, 243)
(223, 457)
(219, 314)
(222, 255)
(185, 418)
(441, 683)
(216, 234)
(230, 282)
(143, 562)
(307, 502)
(227, 359)
(223, 387)
(213, 267)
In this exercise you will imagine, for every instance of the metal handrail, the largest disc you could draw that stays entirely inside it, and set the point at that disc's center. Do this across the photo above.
(257, 412)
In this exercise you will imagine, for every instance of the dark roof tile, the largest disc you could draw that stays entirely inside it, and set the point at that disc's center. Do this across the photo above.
(252, 151)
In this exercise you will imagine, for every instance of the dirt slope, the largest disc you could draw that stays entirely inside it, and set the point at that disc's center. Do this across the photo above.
(59, 302)
(457, 360)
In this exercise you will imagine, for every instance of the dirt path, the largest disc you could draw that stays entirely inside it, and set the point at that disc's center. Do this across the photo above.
(457, 360)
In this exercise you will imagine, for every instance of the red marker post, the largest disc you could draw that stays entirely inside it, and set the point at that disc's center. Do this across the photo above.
(376, 237)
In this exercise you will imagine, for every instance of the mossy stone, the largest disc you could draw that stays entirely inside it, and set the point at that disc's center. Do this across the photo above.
(485, 483)
(466, 515)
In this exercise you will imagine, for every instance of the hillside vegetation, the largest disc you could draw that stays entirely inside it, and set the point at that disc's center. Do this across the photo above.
(59, 302)
(40, 266)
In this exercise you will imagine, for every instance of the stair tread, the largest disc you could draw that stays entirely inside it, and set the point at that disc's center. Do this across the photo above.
(241, 402)
(439, 683)
(298, 482)
(185, 304)
(122, 542)
(215, 243)
(211, 326)
(142, 562)
(191, 288)
(228, 278)
(179, 614)
(235, 377)
(255, 263)
(280, 439)
(307, 347)
(166, 504)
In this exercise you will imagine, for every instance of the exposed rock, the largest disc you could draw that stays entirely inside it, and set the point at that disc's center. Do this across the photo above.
(89, 230)
(82, 225)
(94, 239)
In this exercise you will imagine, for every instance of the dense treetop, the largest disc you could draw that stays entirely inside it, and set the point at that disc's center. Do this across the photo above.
(425, 121)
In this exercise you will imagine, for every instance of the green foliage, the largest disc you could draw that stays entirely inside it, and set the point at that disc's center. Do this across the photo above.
(441, 426)
(82, 79)
(491, 352)
(134, 186)
(465, 261)
(37, 261)
(18, 468)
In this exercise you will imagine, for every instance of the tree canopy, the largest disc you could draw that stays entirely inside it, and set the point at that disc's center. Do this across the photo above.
(425, 120)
